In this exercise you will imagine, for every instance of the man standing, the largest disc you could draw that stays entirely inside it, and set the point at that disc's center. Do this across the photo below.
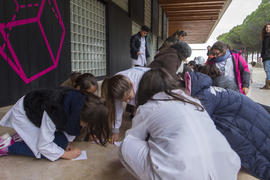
(138, 47)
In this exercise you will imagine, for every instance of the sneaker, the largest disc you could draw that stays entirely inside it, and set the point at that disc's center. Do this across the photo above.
(6, 142)
(4, 138)
(16, 137)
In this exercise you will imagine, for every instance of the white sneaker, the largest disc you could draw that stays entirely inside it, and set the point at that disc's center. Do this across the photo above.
(5, 142)
(4, 138)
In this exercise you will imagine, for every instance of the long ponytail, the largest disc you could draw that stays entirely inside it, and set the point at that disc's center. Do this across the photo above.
(116, 87)
(110, 102)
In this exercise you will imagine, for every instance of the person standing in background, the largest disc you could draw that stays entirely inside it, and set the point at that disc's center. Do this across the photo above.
(265, 53)
(208, 50)
(138, 47)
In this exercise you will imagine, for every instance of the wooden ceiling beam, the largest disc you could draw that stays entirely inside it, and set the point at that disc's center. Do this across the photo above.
(192, 13)
(176, 8)
(191, 5)
(190, 8)
(193, 18)
(197, 17)
(196, 10)
(193, 24)
(164, 2)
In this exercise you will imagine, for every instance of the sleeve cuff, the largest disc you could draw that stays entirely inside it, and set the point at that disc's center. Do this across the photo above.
(69, 137)
(115, 130)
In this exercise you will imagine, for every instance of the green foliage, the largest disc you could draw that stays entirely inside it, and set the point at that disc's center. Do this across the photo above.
(247, 35)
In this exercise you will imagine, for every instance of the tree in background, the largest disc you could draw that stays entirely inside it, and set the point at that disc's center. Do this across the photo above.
(246, 36)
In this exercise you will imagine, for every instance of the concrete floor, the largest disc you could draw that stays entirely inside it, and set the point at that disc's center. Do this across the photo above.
(102, 162)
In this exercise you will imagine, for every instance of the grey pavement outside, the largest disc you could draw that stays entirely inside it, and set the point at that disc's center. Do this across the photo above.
(102, 162)
(257, 94)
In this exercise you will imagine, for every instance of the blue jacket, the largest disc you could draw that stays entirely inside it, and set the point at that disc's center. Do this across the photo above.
(244, 123)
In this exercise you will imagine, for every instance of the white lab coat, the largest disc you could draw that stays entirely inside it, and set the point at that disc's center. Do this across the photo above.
(134, 75)
(141, 61)
(39, 140)
(184, 144)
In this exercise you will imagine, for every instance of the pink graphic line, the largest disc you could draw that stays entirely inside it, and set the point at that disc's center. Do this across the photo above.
(41, 73)
(64, 32)
(41, 9)
(17, 10)
(2, 53)
(21, 22)
(46, 40)
(13, 66)
(50, 4)
(17, 67)
(15, 58)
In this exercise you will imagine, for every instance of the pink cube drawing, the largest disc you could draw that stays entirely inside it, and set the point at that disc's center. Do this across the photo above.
(32, 14)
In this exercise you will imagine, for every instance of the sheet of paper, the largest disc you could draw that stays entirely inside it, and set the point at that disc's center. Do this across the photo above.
(118, 143)
(83, 156)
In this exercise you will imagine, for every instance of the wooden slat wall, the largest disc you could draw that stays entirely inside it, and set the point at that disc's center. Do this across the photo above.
(197, 17)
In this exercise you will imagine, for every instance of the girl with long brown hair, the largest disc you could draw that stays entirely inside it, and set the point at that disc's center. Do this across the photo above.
(47, 120)
(173, 137)
(117, 89)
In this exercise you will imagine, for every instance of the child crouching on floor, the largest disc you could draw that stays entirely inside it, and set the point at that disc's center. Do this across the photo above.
(173, 137)
(47, 120)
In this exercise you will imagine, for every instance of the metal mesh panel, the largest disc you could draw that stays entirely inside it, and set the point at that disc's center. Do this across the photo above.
(88, 36)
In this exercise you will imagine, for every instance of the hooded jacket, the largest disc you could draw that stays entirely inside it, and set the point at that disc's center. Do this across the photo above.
(240, 68)
(243, 122)
(169, 60)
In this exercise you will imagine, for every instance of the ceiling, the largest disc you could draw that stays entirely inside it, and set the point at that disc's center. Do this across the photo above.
(197, 17)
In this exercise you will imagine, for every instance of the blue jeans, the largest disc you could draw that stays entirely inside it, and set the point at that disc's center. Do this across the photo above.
(20, 148)
(266, 65)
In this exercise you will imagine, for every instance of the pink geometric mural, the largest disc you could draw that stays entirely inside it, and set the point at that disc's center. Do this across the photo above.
(37, 8)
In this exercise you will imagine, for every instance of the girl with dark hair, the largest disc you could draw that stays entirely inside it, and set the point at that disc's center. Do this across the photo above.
(70, 82)
(86, 82)
(173, 137)
(117, 89)
(242, 121)
(265, 53)
(47, 120)
(235, 73)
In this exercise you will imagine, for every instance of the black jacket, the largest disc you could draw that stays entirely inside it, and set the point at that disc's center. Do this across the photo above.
(62, 105)
(265, 53)
(135, 44)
